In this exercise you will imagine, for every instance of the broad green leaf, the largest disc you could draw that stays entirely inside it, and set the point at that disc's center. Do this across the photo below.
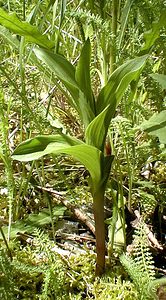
(25, 29)
(160, 78)
(65, 71)
(83, 74)
(61, 67)
(113, 91)
(89, 156)
(156, 126)
(152, 35)
(41, 145)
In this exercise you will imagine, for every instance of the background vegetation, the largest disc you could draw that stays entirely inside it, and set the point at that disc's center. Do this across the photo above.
(47, 231)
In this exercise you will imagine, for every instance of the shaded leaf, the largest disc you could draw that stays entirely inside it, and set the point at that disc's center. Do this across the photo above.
(160, 78)
(152, 35)
(25, 29)
(13, 41)
(156, 126)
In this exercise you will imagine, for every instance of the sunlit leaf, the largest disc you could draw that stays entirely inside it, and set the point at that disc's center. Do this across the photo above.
(96, 131)
(89, 156)
(113, 91)
(58, 64)
(25, 29)
(156, 126)
(83, 73)
(109, 98)
(65, 71)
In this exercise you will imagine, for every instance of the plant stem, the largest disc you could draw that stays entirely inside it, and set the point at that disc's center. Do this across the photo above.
(98, 206)
(115, 7)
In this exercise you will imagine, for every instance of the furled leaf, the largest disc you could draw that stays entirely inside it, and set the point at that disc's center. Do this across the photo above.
(96, 131)
(156, 126)
(152, 35)
(109, 98)
(160, 78)
(31, 33)
(88, 155)
(83, 73)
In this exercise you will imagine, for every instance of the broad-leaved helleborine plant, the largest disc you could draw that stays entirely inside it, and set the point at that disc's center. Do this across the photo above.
(96, 115)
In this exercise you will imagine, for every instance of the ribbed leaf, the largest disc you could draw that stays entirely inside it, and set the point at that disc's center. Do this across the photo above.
(96, 131)
(109, 98)
(83, 74)
(88, 155)
(65, 71)
(62, 68)
(113, 91)
(23, 28)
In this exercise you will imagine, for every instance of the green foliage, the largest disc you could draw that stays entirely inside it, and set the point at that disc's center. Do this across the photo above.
(112, 289)
(160, 78)
(7, 284)
(140, 265)
(31, 33)
(152, 35)
(156, 126)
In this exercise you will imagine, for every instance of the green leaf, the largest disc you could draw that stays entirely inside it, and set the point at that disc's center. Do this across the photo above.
(110, 97)
(152, 35)
(62, 68)
(25, 29)
(91, 157)
(113, 91)
(156, 126)
(12, 40)
(96, 131)
(34, 221)
(41, 145)
(83, 74)
(65, 71)
(160, 78)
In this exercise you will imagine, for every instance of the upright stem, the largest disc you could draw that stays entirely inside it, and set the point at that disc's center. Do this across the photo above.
(98, 206)
(115, 8)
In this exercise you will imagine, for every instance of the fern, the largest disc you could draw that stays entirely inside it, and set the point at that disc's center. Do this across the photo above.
(7, 286)
(140, 266)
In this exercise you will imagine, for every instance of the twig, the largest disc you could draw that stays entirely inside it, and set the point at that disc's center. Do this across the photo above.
(80, 215)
